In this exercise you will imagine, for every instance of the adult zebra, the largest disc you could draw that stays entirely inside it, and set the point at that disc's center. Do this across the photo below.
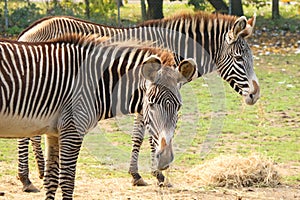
(64, 87)
(216, 42)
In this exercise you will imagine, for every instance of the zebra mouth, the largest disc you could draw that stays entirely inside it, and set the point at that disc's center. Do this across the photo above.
(245, 93)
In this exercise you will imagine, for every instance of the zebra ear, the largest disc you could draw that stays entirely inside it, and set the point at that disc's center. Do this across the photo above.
(150, 67)
(249, 27)
(240, 27)
(187, 70)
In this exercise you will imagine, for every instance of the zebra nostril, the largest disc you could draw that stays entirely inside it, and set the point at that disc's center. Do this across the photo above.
(157, 156)
(251, 96)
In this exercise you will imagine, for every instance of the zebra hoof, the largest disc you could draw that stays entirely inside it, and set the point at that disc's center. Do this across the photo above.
(139, 182)
(2, 194)
(30, 188)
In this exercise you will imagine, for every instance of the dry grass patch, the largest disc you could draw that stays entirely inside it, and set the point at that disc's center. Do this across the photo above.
(236, 171)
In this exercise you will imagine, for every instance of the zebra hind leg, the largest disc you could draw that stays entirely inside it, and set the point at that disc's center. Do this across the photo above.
(137, 140)
(23, 170)
(38, 153)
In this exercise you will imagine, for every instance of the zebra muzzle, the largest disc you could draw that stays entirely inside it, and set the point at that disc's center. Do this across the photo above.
(252, 97)
(165, 155)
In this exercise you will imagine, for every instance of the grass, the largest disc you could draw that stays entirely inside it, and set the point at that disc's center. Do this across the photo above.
(271, 127)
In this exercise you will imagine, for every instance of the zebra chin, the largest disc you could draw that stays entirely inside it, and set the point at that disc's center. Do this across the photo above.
(251, 98)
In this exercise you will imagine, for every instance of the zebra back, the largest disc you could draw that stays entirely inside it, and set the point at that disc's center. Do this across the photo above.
(51, 27)
(70, 56)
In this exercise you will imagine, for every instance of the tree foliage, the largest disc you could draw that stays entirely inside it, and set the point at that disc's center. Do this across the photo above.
(22, 17)
(104, 11)
(65, 7)
(198, 4)
(256, 3)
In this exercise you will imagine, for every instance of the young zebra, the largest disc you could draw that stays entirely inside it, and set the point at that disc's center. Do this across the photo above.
(64, 87)
(216, 42)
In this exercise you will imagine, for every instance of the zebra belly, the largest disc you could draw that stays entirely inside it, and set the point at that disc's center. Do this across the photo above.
(14, 127)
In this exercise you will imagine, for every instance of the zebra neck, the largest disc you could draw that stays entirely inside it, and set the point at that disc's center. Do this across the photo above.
(195, 37)
(115, 85)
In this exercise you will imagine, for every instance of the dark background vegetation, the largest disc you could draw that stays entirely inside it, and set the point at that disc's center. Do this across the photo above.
(15, 15)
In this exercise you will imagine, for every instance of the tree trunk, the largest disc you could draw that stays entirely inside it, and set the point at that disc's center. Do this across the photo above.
(275, 9)
(120, 3)
(219, 5)
(155, 9)
(143, 9)
(236, 7)
(6, 14)
(87, 9)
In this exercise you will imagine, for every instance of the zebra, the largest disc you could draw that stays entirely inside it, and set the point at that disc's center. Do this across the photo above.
(217, 43)
(63, 87)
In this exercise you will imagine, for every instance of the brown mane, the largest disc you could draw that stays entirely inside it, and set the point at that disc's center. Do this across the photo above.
(192, 16)
(165, 55)
(79, 39)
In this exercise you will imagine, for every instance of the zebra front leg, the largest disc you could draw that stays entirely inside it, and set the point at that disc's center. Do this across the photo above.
(38, 153)
(137, 140)
(155, 172)
(23, 171)
(52, 167)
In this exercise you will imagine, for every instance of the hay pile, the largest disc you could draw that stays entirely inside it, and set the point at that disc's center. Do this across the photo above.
(236, 171)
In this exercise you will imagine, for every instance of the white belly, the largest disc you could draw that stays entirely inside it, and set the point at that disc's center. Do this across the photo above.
(15, 127)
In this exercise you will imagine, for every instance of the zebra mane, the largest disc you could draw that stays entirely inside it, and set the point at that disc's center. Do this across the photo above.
(166, 56)
(79, 39)
(198, 16)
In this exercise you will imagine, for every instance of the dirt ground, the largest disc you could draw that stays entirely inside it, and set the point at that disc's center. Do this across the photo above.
(88, 188)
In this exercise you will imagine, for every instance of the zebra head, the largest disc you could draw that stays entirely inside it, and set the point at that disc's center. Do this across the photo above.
(162, 103)
(235, 62)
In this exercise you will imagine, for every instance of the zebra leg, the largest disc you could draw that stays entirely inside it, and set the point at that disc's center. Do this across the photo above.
(137, 140)
(155, 172)
(52, 167)
(70, 144)
(38, 152)
(23, 171)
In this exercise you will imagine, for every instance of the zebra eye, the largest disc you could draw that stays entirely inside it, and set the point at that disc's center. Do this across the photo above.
(151, 104)
(239, 58)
